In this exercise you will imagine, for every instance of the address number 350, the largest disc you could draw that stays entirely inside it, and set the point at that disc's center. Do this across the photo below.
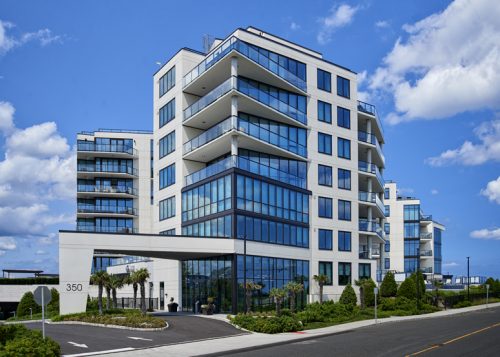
(74, 287)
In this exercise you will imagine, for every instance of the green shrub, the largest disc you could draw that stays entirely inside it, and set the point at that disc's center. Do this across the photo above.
(418, 278)
(129, 318)
(348, 297)
(368, 291)
(53, 305)
(407, 289)
(266, 324)
(29, 281)
(27, 302)
(388, 304)
(17, 340)
(464, 303)
(389, 287)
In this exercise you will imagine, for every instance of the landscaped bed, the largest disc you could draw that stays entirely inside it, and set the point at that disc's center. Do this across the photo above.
(117, 317)
(17, 340)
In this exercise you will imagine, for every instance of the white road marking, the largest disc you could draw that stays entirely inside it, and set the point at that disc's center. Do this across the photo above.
(82, 345)
(100, 352)
(140, 338)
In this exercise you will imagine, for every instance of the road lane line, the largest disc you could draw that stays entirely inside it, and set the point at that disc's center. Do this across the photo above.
(100, 352)
(82, 345)
(139, 338)
(454, 339)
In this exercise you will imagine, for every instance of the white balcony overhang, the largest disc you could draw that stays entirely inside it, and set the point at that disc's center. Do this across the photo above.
(376, 129)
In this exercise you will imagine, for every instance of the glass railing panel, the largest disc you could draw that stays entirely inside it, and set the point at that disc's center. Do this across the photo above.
(372, 169)
(107, 168)
(106, 209)
(379, 203)
(248, 51)
(109, 229)
(367, 196)
(211, 134)
(426, 217)
(367, 138)
(426, 235)
(91, 146)
(426, 270)
(211, 170)
(370, 109)
(426, 253)
(107, 189)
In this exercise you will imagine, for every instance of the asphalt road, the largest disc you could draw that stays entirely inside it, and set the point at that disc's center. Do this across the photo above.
(75, 339)
(471, 334)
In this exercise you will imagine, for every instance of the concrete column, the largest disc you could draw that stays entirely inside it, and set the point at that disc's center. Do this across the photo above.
(234, 66)
(369, 126)
(234, 145)
(234, 106)
(370, 184)
(369, 155)
(370, 252)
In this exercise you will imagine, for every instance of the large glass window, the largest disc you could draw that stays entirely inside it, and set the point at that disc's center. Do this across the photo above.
(325, 175)
(167, 176)
(167, 144)
(365, 271)
(343, 87)
(344, 273)
(324, 80)
(412, 248)
(387, 263)
(167, 208)
(387, 210)
(325, 209)
(387, 247)
(167, 113)
(216, 227)
(268, 199)
(411, 212)
(411, 230)
(344, 148)
(325, 239)
(411, 265)
(324, 112)
(343, 117)
(344, 210)
(167, 81)
(209, 198)
(344, 179)
(324, 143)
(344, 241)
(387, 228)
(387, 194)
(270, 231)
(325, 268)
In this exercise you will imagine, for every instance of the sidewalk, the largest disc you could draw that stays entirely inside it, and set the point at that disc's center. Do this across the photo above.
(238, 343)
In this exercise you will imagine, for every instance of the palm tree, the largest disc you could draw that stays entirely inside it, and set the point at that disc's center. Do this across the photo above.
(115, 283)
(321, 279)
(99, 278)
(107, 286)
(131, 280)
(141, 276)
(249, 289)
(293, 289)
(278, 295)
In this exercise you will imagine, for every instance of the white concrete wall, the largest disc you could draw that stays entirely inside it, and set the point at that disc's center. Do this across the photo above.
(13, 293)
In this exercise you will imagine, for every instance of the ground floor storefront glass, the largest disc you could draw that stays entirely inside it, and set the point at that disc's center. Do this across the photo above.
(223, 279)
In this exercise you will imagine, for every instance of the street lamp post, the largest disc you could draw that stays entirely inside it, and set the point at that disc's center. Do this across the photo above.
(468, 279)
(375, 292)
(487, 293)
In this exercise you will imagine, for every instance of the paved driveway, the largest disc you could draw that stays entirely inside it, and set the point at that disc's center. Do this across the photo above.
(78, 339)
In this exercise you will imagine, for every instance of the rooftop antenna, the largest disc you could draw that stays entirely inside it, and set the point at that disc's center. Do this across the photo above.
(207, 40)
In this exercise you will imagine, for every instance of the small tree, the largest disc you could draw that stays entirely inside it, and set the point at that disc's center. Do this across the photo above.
(250, 287)
(99, 278)
(278, 296)
(321, 279)
(418, 278)
(27, 302)
(366, 292)
(141, 276)
(348, 297)
(389, 287)
(293, 289)
(53, 305)
(107, 286)
(407, 289)
(115, 283)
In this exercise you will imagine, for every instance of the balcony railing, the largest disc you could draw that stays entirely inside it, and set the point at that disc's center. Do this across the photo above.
(427, 235)
(426, 253)
(92, 146)
(245, 126)
(372, 169)
(110, 229)
(427, 270)
(426, 217)
(247, 165)
(106, 209)
(380, 204)
(370, 109)
(373, 226)
(253, 92)
(265, 61)
(376, 251)
(371, 139)
(107, 189)
(122, 169)
(367, 196)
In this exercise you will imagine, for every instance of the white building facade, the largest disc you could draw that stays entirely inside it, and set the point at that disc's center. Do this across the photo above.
(414, 239)
(260, 148)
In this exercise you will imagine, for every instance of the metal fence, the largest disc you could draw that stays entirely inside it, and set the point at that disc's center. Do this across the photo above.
(128, 303)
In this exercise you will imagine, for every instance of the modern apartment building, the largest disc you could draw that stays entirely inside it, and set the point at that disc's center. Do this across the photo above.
(414, 239)
(114, 185)
(262, 153)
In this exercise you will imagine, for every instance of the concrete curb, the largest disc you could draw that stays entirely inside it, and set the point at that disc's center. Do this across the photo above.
(110, 326)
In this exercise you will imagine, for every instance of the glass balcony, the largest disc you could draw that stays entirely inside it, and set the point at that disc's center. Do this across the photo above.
(426, 236)
(92, 146)
(426, 270)
(122, 169)
(372, 226)
(372, 169)
(249, 128)
(367, 196)
(106, 209)
(109, 229)
(247, 165)
(376, 251)
(371, 139)
(370, 109)
(426, 217)
(249, 90)
(426, 253)
(379, 204)
(107, 189)
(265, 60)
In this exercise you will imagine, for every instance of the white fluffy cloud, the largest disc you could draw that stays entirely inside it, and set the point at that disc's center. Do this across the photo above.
(9, 42)
(448, 63)
(6, 115)
(492, 190)
(493, 234)
(339, 16)
(434, 191)
(38, 168)
(382, 24)
(487, 149)
(7, 243)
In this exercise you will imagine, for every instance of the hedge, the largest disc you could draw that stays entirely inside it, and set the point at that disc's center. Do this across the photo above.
(29, 281)
(17, 340)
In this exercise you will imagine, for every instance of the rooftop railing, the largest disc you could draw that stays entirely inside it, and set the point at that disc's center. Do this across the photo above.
(91, 146)
(370, 109)
(109, 229)
(249, 52)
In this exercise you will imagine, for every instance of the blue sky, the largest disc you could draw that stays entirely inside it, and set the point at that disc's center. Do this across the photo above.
(431, 68)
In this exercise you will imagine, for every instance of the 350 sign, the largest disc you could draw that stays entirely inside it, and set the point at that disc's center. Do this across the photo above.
(73, 287)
